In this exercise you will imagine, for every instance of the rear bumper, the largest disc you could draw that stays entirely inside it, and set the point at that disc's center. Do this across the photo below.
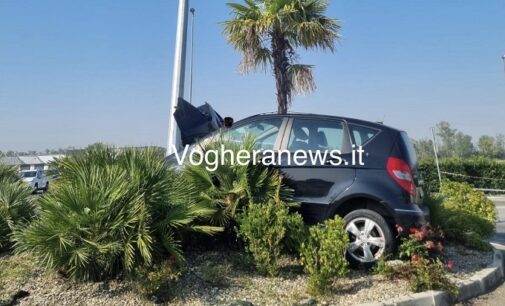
(412, 217)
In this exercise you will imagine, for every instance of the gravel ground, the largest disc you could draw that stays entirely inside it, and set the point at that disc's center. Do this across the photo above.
(466, 261)
(229, 277)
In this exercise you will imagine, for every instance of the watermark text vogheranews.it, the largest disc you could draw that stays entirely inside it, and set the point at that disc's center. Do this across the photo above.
(215, 157)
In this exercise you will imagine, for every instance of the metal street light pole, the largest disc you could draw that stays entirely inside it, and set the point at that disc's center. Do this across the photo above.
(192, 11)
(503, 59)
(436, 155)
(174, 135)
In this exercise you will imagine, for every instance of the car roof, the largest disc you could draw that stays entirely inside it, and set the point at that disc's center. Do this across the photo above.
(319, 116)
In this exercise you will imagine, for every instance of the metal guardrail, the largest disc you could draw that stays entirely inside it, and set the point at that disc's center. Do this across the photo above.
(490, 190)
(471, 176)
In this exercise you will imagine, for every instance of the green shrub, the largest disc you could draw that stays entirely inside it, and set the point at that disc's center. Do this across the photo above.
(422, 274)
(464, 214)
(434, 203)
(16, 204)
(323, 254)
(296, 233)
(8, 173)
(480, 172)
(232, 186)
(462, 196)
(425, 241)
(110, 212)
(216, 274)
(263, 229)
(151, 280)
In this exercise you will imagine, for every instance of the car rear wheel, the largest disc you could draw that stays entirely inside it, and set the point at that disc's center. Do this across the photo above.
(370, 237)
(47, 187)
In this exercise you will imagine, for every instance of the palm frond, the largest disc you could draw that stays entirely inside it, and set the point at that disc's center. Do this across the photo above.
(301, 78)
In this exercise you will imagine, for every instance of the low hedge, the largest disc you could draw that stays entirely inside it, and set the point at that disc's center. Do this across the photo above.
(480, 172)
(465, 215)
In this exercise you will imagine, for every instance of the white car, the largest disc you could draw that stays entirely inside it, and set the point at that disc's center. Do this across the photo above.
(35, 178)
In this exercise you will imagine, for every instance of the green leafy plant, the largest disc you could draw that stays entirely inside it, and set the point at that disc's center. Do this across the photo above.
(423, 241)
(216, 274)
(480, 172)
(232, 186)
(8, 173)
(296, 233)
(323, 254)
(110, 212)
(463, 196)
(263, 228)
(16, 204)
(466, 216)
(151, 280)
(422, 274)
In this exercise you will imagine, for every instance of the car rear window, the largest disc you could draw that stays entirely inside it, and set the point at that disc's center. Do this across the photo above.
(408, 148)
(362, 134)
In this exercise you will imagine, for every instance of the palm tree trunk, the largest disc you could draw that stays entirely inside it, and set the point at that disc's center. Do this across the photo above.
(280, 63)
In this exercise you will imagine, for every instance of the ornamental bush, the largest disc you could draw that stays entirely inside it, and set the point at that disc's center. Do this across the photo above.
(480, 172)
(323, 254)
(110, 212)
(422, 274)
(464, 214)
(424, 241)
(16, 204)
(264, 228)
(232, 186)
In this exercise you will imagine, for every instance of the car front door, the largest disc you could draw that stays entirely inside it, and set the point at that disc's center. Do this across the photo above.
(318, 181)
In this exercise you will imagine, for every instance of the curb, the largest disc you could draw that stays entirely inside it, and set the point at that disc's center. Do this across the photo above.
(480, 283)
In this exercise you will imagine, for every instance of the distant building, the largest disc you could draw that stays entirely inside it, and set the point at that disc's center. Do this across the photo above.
(30, 162)
(47, 159)
(11, 161)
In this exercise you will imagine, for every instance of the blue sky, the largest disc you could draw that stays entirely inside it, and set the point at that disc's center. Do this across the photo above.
(77, 72)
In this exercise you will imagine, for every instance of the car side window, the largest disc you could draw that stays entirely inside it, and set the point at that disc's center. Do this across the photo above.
(362, 134)
(312, 134)
(265, 132)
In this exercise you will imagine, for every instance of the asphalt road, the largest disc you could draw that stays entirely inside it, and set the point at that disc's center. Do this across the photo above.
(500, 223)
(496, 297)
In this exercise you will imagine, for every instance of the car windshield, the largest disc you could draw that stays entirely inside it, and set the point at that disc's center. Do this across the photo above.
(28, 173)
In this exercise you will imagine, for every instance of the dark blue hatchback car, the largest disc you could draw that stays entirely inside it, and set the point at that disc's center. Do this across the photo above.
(373, 195)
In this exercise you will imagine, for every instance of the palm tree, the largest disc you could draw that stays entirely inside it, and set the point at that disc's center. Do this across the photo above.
(269, 32)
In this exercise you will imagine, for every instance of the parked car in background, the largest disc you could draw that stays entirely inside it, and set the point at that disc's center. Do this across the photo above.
(35, 178)
(372, 198)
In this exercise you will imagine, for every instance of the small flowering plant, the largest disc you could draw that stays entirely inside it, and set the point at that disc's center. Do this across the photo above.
(421, 242)
(424, 267)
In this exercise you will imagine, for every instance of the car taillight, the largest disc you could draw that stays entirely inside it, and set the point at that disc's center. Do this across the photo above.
(402, 174)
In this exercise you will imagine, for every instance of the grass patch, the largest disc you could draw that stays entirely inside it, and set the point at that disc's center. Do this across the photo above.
(15, 269)
(216, 274)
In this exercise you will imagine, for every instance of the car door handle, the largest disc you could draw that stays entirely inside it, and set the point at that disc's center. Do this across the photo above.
(335, 160)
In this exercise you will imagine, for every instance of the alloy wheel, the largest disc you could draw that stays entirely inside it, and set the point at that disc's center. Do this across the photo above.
(366, 240)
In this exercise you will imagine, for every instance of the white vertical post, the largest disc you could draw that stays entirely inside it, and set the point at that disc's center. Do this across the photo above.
(436, 155)
(174, 135)
(192, 11)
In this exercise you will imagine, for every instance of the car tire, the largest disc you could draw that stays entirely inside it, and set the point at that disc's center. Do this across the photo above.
(46, 189)
(370, 237)
(36, 188)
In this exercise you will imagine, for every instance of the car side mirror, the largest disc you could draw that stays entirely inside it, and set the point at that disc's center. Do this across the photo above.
(228, 122)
